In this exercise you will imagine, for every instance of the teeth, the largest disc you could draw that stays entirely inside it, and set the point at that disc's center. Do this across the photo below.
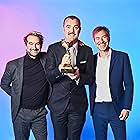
(102, 44)
(71, 34)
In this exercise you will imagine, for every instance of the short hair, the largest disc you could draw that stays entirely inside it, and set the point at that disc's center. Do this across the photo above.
(72, 17)
(98, 29)
(37, 34)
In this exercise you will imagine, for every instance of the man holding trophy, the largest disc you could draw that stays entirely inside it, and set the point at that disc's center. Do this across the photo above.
(68, 63)
(69, 69)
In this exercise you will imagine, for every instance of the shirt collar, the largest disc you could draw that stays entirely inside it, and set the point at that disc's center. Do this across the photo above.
(75, 45)
(30, 58)
(108, 55)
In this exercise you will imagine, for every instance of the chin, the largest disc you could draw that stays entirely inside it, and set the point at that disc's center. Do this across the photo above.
(71, 39)
(33, 54)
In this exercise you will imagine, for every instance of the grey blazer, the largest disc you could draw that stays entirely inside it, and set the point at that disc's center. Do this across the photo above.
(12, 81)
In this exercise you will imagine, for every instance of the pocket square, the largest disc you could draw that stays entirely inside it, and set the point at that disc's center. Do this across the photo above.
(82, 62)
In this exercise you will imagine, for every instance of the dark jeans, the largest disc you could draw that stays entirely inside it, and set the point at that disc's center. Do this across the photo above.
(34, 120)
(104, 114)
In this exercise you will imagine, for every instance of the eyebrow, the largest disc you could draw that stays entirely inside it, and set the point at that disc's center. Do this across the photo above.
(33, 42)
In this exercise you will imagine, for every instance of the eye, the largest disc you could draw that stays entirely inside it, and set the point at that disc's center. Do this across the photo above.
(105, 36)
(38, 43)
(68, 26)
(31, 43)
(97, 38)
(76, 27)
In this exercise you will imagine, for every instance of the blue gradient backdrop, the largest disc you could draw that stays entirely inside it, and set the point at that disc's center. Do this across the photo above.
(20, 17)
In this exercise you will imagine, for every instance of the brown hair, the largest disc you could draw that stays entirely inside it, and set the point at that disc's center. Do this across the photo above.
(72, 17)
(34, 33)
(99, 28)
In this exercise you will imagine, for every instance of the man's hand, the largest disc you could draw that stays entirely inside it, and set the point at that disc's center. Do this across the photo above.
(124, 114)
(71, 75)
(76, 75)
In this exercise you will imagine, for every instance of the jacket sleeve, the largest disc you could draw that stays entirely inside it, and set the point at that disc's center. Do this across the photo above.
(128, 83)
(53, 73)
(6, 80)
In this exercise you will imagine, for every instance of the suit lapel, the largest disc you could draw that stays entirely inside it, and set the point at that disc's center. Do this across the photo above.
(112, 61)
(95, 62)
(20, 73)
(43, 62)
(80, 53)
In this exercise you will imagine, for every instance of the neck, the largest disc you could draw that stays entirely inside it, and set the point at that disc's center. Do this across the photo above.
(33, 57)
(71, 42)
(104, 53)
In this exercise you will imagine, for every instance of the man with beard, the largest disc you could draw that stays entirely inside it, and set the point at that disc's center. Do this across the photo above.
(111, 94)
(25, 81)
(69, 69)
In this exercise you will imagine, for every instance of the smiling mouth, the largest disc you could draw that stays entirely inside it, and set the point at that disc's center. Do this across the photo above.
(102, 44)
(35, 50)
(71, 34)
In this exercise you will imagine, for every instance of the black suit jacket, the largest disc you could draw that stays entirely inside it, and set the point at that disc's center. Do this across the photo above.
(65, 90)
(120, 82)
(12, 81)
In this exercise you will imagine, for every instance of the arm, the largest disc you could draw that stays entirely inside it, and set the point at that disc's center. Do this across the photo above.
(6, 80)
(129, 85)
(53, 72)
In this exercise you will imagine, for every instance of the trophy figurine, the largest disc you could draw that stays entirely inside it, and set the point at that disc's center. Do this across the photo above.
(69, 68)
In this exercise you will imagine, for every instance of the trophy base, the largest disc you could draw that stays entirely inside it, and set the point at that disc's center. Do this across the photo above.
(68, 70)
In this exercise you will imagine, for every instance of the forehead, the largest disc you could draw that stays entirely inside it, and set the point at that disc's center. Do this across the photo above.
(33, 38)
(70, 21)
(100, 33)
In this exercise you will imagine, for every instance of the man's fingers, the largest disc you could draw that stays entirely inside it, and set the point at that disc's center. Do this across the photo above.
(124, 114)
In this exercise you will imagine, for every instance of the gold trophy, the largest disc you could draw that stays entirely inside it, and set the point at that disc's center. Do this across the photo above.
(69, 68)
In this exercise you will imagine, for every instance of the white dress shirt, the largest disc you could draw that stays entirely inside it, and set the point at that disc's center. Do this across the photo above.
(73, 51)
(102, 79)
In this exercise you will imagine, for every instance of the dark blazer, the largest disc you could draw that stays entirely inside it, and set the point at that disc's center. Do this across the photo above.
(120, 82)
(12, 81)
(64, 89)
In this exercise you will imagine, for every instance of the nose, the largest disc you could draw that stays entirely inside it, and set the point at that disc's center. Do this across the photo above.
(72, 30)
(34, 46)
(101, 40)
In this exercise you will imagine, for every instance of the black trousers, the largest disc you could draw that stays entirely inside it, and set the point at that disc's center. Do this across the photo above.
(34, 120)
(68, 125)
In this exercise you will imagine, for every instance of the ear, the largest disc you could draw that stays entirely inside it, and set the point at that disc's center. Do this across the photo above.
(79, 29)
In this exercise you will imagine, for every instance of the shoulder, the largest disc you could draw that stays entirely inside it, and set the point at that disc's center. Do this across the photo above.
(54, 45)
(15, 61)
(119, 53)
(84, 46)
(13, 64)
